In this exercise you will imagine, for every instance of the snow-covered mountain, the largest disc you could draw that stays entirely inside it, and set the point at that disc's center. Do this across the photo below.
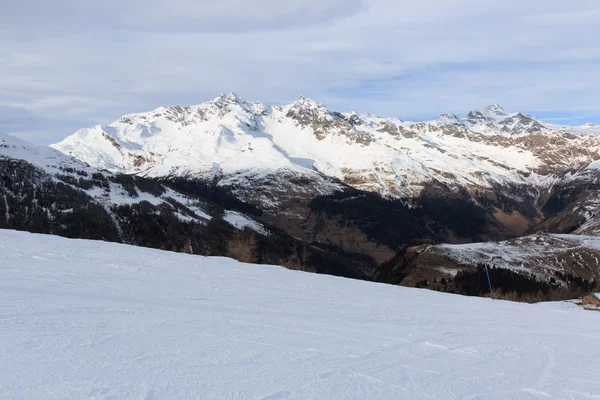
(43, 190)
(83, 319)
(279, 158)
(102, 186)
(47, 191)
(238, 141)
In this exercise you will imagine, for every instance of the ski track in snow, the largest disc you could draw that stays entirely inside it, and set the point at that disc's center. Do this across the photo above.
(93, 320)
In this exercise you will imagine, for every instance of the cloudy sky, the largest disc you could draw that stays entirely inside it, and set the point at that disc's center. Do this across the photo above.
(67, 64)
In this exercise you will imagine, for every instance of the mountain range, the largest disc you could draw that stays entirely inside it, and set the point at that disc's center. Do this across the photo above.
(232, 139)
(335, 192)
(272, 156)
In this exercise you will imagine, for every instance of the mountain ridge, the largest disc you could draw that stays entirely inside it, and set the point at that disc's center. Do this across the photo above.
(236, 141)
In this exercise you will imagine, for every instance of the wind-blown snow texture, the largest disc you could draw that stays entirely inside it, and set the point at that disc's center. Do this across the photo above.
(83, 319)
(240, 142)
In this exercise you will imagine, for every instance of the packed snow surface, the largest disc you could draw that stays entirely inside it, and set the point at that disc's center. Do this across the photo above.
(92, 320)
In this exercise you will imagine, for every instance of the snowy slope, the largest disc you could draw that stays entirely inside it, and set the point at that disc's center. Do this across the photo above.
(540, 254)
(240, 142)
(83, 319)
(46, 158)
(107, 191)
(57, 164)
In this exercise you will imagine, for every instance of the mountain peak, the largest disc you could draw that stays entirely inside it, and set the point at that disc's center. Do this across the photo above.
(305, 111)
(305, 102)
(448, 119)
(495, 109)
(488, 116)
(229, 98)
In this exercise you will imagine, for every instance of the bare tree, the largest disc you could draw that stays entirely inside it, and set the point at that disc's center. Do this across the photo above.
(242, 247)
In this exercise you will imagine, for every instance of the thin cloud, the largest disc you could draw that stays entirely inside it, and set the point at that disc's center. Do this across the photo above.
(70, 64)
(182, 16)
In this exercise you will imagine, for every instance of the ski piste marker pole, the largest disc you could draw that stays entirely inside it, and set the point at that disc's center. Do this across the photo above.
(489, 281)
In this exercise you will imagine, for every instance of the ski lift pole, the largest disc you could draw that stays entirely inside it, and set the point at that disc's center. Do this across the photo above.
(489, 280)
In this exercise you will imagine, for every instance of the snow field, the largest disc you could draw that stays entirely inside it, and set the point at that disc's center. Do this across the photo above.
(93, 320)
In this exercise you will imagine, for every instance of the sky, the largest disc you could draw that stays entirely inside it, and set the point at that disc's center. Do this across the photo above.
(69, 64)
